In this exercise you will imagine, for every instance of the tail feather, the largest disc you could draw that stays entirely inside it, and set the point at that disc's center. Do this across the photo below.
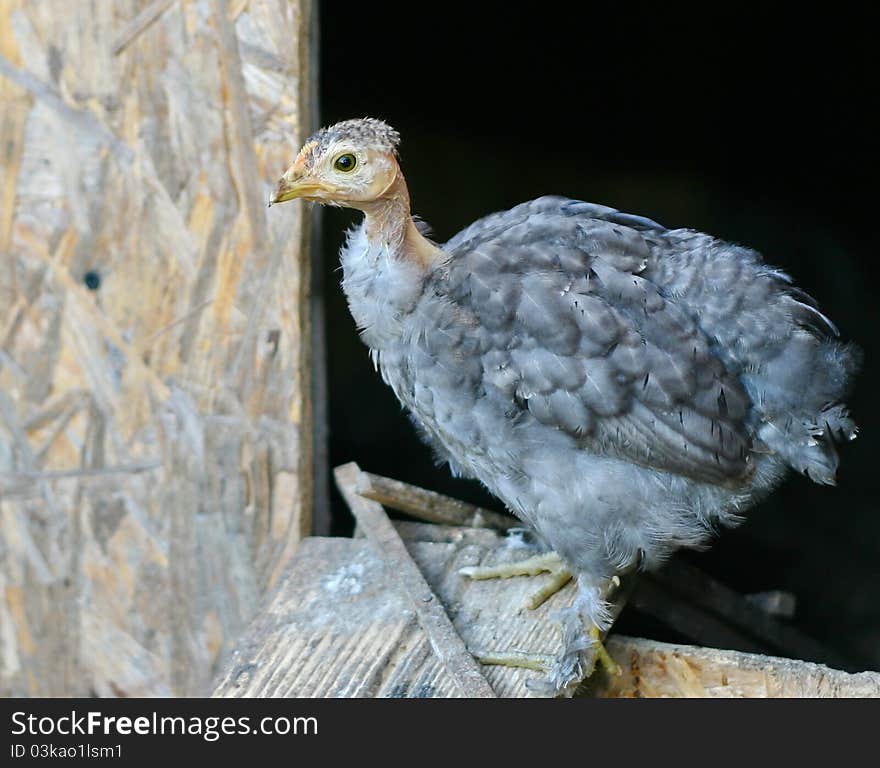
(834, 423)
(811, 455)
(802, 411)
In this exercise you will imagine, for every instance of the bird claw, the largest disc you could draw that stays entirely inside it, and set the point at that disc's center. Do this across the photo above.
(581, 651)
(548, 562)
(562, 673)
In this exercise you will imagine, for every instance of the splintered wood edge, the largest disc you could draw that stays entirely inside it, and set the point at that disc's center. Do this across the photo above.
(445, 641)
(651, 669)
(429, 505)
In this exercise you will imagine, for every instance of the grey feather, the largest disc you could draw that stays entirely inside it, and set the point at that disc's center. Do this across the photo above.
(622, 387)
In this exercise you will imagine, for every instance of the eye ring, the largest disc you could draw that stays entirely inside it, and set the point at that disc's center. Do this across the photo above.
(345, 163)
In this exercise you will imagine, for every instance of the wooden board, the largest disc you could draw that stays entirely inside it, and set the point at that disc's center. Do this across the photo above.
(155, 429)
(339, 626)
(400, 569)
(654, 670)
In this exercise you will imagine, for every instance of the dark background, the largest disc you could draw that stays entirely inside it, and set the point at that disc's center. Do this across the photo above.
(750, 126)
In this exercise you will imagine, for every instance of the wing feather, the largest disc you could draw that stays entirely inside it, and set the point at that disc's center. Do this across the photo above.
(574, 335)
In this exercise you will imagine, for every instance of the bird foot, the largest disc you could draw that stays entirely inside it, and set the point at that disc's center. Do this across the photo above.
(539, 662)
(548, 562)
(543, 662)
(602, 655)
(581, 650)
(562, 673)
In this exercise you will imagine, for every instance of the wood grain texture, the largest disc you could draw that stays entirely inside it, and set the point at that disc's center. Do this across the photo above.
(338, 626)
(400, 569)
(155, 437)
(654, 670)
(430, 506)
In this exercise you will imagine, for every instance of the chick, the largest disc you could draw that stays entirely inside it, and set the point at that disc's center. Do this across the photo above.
(625, 389)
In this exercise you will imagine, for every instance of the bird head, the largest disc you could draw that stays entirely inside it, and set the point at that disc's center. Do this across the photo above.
(351, 164)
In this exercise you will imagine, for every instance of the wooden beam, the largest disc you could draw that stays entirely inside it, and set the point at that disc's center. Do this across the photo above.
(400, 568)
(338, 625)
(430, 506)
(653, 670)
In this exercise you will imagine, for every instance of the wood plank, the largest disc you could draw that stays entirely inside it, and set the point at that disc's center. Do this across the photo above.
(336, 626)
(336, 600)
(401, 570)
(430, 506)
(652, 669)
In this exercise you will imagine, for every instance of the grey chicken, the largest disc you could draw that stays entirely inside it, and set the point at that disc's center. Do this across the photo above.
(625, 389)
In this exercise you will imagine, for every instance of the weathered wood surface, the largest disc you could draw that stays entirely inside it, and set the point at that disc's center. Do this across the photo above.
(400, 568)
(338, 626)
(652, 670)
(430, 506)
(155, 444)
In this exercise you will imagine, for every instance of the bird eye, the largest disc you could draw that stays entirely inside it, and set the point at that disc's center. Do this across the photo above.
(345, 163)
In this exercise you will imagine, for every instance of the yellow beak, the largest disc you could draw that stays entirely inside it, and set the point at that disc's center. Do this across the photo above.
(290, 188)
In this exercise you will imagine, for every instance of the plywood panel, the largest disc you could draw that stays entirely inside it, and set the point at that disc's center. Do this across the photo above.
(155, 438)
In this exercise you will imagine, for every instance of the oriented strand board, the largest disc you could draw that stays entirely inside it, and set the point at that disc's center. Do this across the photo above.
(155, 435)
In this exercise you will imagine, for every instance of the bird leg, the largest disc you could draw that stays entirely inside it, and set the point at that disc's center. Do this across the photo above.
(543, 662)
(572, 664)
(548, 562)
(602, 655)
(576, 661)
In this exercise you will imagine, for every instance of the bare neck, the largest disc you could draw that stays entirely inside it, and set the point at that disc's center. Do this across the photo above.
(389, 224)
